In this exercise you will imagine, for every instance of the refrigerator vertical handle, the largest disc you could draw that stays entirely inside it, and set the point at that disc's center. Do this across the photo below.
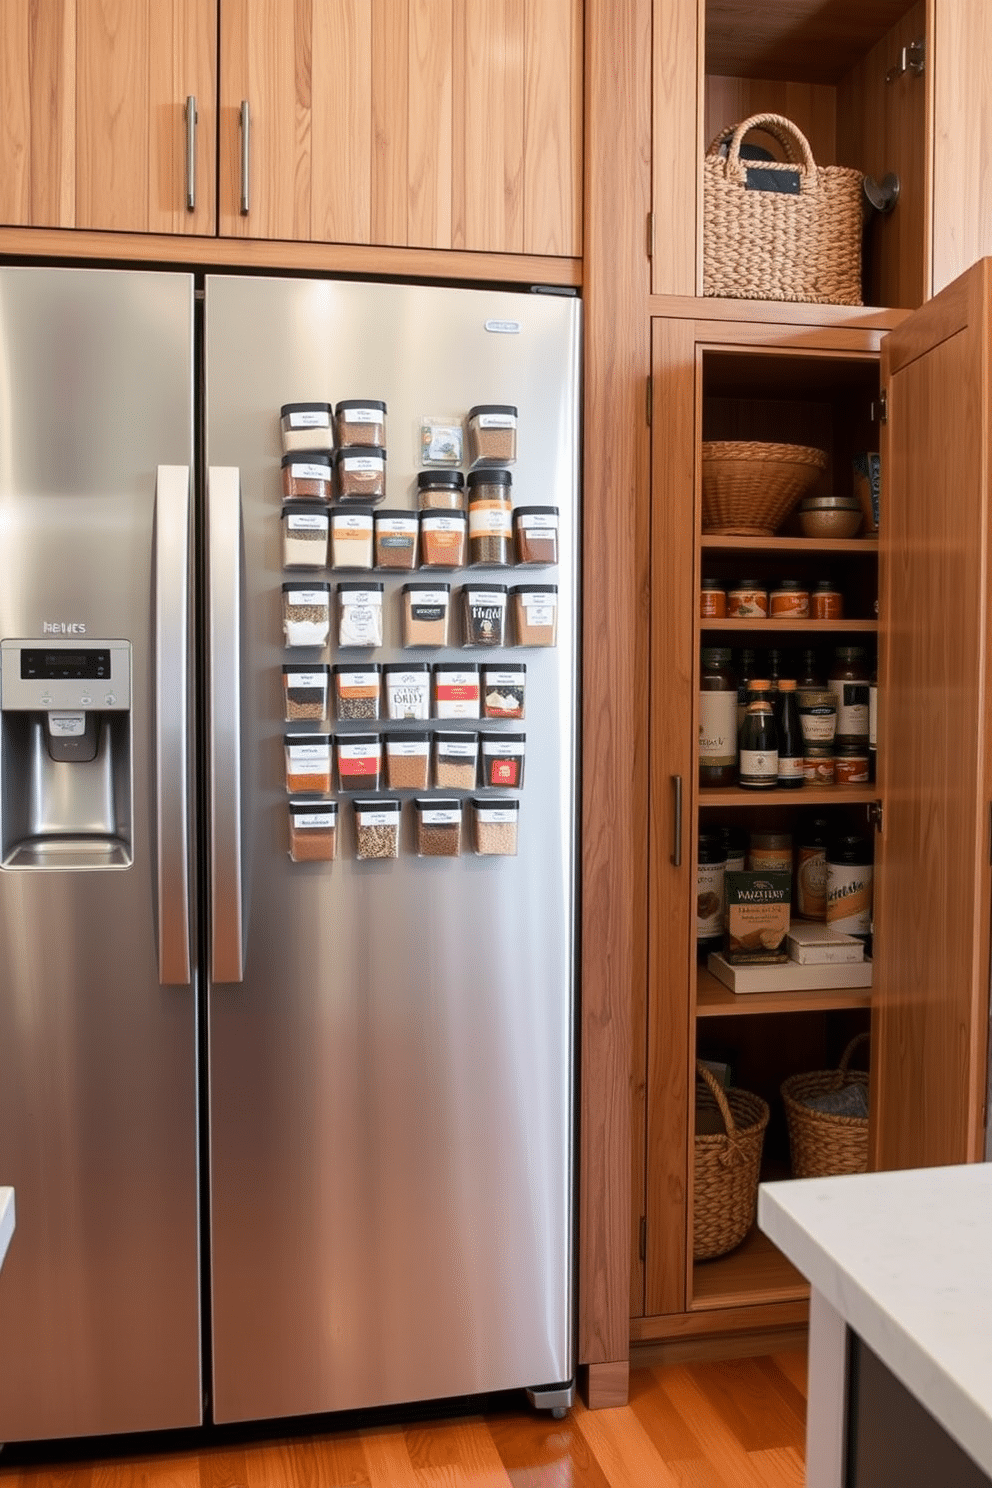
(224, 723)
(245, 155)
(172, 512)
(191, 117)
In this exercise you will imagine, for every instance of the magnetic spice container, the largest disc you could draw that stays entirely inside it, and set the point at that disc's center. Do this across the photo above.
(535, 614)
(503, 760)
(492, 434)
(407, 761)
(535, 534)
(359, 615)
(307, 473)
(305, 694)
(306, 613)
(441, 490)
(503, 691)
(408, 690)
(306, 426)
(484, 615)
(313, 831)
(495, 826)
(439, 826)
(456, 689)
(308, 762)
(425, 614)
(396, 535)
(360, 421)
(356, 692)
(304, 534)
(443, 537)
(490, 521)
(359, 761)
(361, 473)
(455, 760)
(351, 537)
(377, 827)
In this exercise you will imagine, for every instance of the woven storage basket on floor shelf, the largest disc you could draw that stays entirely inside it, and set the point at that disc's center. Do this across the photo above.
(750, 487)
(725, 1183)
(822, 1143)
(780, 230)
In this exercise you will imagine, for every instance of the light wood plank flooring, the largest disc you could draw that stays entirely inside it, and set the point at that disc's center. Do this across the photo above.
(731, 1424)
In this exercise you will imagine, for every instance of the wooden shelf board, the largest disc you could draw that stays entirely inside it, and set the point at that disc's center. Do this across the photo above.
(813, 627)
(714, 1000)
(865, 320)
(755, 1272)
(860, 547)
(807, 795)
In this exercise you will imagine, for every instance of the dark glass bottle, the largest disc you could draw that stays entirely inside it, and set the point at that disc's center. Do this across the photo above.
(746, 668)
(809, 673)
(758, 767)
(790, 736)
(773, 669)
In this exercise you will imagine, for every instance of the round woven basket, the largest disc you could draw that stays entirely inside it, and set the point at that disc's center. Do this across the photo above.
(725, 1191)
(822, 1143)
(749, 488)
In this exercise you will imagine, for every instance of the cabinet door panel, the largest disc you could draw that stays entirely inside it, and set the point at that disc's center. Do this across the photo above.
(37, 114)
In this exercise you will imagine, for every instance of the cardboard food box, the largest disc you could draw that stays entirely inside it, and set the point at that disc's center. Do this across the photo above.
(757, 918)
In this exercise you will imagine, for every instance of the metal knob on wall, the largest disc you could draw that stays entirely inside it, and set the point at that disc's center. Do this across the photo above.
(881, 196)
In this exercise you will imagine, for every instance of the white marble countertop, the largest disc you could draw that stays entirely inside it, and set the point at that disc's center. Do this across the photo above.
(6, 1219)
(906, 1259)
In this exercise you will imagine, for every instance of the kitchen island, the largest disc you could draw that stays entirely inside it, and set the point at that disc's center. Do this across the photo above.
(900, 1342)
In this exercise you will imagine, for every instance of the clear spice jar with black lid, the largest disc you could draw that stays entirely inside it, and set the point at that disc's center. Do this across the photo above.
(717, 718)
(442, 490)
(484, 615)
(490, 516)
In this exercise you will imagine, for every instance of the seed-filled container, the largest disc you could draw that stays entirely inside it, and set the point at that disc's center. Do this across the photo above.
(306, 613)
(359, 614)
(492, 434)
(351, 537)
(377, 827)
(408, 689)
(361, 471)
(356, 691)
(503, 760)
(535, 534)
(407, 761)
(359, 761)
(494, 826)
(305, 694)
(396, 534)
(307, 473)
(456, 690)
(360, 421)
(503, 691)
(441, 490)
(456, 759)
(304, 534)
(306, 426)
(484, 615)
(308, 763)
(439, 826)
(490, 516)
(443, 537)
(535, 614)
(425, 614)
(313, 831)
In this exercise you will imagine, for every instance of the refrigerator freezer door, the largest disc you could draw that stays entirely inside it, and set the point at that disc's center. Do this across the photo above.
(99, 1296)
(391, 1081)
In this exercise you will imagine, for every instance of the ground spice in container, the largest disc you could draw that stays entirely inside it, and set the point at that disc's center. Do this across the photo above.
(356, 692)
(492, 434)
(408, 690)
(484, 614)
(490, 517)
(377, 827)
(503, 760)
(304, 534)
(495, 826)
(425, 614)
(360, 421)
(535, 534)
(307, 473)
(789, 600)
(306, 426)
(747, 600)
(535, 613)
(308, 762)
(313, 831)
(503, 692)
(359, 614)
(306, 613)
(439, 827)
(442, 539)
(407, 761)
(456, 690)
(361, 473)
(351, 537)
(359, 761)
(396, 535)
(305, 694)
(455, 760)
(442, 490)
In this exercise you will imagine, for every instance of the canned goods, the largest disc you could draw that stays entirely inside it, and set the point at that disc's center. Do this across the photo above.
(747, 600)
(818, 765)
(789, 600)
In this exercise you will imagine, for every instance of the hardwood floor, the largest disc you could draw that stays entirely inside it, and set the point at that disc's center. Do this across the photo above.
(732, 1424)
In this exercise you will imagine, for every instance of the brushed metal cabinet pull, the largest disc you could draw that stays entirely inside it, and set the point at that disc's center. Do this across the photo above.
(245, 156)
(191, 118)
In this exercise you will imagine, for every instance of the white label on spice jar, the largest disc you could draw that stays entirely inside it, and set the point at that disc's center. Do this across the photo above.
(378, 818)
(718, 727)
(421, 599)
(309, 754)
(312, 598)
(442, 524)
(363, 464)
(310, 418)
(487, 599)
(452, 750)
(301, 471)
(506, 679)
(306, 679)
(488, 520)
(307, 521)
(495, 421)
(359, 751)
(505, 748)
(407, 748)
(441, 818)
(849, 894)
(497, 815)
(364, 598)
(405, 525)
(852, 708)
(546, 521)
(352, 524)
(361, 415)
(307, 819)
(358, 679)
(709, 899)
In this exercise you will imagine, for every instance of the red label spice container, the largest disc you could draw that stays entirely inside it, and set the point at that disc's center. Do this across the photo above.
(307, 473)
(747, 600)
(712, 600)
(826, 601)
(456, 690)
(789, 600)
(503, 760)
(359, 761)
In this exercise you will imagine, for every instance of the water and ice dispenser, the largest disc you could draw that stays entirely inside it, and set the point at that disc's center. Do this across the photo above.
(65, 754)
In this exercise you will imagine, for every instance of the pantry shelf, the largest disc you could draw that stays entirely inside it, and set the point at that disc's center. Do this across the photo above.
(818, 796)
(767, 624)
(714, 1000)
(761, 546)
(756, 1271)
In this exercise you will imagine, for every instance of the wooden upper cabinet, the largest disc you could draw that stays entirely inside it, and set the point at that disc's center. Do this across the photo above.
(420, 123)
(93, 130)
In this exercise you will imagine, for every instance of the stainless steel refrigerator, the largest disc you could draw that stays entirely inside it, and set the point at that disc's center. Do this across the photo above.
(286, 1135)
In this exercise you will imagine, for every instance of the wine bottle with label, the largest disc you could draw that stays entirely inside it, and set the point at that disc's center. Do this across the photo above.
(790, 736)
(759, 740)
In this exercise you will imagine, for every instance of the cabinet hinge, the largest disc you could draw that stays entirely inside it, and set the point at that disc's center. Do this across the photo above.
(912, 59)
(875, 814)
(650, 243)
(642, 1239)
(649, 394)
(883, 407)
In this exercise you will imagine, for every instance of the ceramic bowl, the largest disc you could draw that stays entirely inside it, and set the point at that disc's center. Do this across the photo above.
(830, 516)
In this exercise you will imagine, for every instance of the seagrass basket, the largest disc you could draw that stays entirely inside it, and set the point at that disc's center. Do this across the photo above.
(726, 1165)
(824, 1143)
(750, 486)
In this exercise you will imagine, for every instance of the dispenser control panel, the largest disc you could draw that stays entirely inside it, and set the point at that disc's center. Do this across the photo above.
(70, 675)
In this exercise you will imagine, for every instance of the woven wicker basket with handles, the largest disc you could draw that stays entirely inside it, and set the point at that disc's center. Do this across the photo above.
(780, 230)
(821, 1142)
(730, 1131)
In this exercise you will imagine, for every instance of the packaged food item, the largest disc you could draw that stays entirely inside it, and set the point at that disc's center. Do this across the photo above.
(711, 861)
(304, 534)
(360, 421)
(313, 831)
(484, 615)
(849, 885)
(747, 600)
(425, 614)
(443, 537)
(492, 434)
(408, 689)
(712, 600)
(439, 826)
(359, 761)
(351, 537)
(851, 764)
(504, 691)
(441, 440)
(826, 602)
(441, 490)
(503, 760)
(307, 473)
(770, 852)
(359, 615)
(306, 426)
(356, 691)
(757, 917)
(456, 689)
(848, 681)
(495, 826)
(407, 761)
(305, 694)
(396, 534)
(361, 472)
(456, 758)
(789, 600)
(535, 613)
(377, 827)
(306, 613)
(818, 764)
(817, 716)
(308, 763)
(811, 871)
(535, 534)
(490, 519)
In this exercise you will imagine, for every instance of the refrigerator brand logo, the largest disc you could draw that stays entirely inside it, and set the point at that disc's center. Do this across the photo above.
(62, 627)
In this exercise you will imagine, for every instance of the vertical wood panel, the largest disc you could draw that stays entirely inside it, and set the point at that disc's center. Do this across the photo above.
(677, 70)
(459, 148)
(552, 149)
(112, 157)
(960, 63)
(494, 124)
(15, 115)
(52, 61)
(430, 88)
(342, 122)
(390, 104)
(811, 106)
(183, 61)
